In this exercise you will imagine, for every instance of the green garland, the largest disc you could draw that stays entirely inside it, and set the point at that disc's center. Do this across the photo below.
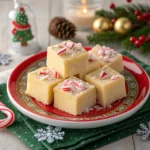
(141, 27)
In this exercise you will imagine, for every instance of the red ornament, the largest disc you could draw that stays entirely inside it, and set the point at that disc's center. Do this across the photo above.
(142, 38)
(112, 6)
(140, 17)
(145, 14)
(137, 12)
(129, 1)
(133, 39)
(148, 38)
(113, 20)
(137, 43)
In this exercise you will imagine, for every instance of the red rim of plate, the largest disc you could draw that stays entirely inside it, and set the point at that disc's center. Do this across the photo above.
(11, 86)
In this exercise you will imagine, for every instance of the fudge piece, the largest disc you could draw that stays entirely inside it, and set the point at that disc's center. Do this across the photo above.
(110, 85)
(74, 96)
(68, 58)
(40, 84)
(93, 65)
(108, 57)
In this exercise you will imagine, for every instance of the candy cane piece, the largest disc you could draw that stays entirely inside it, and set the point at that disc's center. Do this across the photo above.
(66, 88)
(10, 116)
(55, 73)
(70, 44)
(61, 51)
(78, 86)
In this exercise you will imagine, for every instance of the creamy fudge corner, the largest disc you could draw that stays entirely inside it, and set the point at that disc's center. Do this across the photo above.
(108, 57)
(40, 84)
(110, 85)
(68, 58)
(74, 96)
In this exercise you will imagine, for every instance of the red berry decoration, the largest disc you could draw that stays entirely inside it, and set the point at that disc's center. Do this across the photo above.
(129, 1)
(140, 17)
(112, 6)
(113, 20)
(145, 14)
(137, 43)
(148, 38)
(133, 26)
(137, 12)
(133, 39)
(148, 19)
(142, 38)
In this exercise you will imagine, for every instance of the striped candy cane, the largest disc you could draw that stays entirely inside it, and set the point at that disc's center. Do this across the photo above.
(10, 116)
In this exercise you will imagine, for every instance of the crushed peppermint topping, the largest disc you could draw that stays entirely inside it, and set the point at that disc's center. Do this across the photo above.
(90, 57)
(106, 53)
(103, 75)
(66, 88)
(114, 77)
(48, 74)
(73, 85)
(49, 134)
(68, 47)
(61, 51)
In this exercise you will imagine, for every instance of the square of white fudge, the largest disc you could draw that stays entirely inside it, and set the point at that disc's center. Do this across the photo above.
(108, 57)
(68, 58)
(110, 85)
(40, 84)
(74, 96)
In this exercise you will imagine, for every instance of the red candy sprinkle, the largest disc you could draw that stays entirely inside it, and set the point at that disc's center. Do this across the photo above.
(43, 73)
(63, 50)
(77, 85)
(103, 75)
(66, 88)
(70, 44)
(129, 1)
(55, 74)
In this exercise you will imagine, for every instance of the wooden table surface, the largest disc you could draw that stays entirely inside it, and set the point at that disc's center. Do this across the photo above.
(44, 10)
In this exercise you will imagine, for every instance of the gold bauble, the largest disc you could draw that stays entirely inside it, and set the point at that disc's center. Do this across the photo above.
(102, 24)
(122, 25)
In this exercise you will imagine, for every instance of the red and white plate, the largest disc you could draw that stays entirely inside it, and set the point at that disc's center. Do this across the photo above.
(137, 85)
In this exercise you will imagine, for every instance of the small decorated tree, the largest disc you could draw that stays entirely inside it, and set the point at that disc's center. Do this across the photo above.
(22, 30)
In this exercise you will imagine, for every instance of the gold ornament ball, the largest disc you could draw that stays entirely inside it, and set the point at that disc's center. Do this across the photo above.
(122, 25)
(102, 24)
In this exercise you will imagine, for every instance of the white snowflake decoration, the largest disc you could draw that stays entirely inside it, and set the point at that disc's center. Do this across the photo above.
(50, 134)
(144, 131)
(5, 59)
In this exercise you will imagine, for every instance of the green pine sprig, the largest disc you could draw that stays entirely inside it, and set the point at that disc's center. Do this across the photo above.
(141, 27)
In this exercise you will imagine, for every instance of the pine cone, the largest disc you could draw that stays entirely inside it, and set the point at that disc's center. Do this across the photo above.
(62, 28)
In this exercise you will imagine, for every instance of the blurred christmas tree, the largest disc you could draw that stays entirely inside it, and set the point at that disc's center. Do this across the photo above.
(22, 29)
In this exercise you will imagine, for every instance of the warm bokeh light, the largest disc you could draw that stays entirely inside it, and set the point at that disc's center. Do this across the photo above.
(84, 10)
(83, 1)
